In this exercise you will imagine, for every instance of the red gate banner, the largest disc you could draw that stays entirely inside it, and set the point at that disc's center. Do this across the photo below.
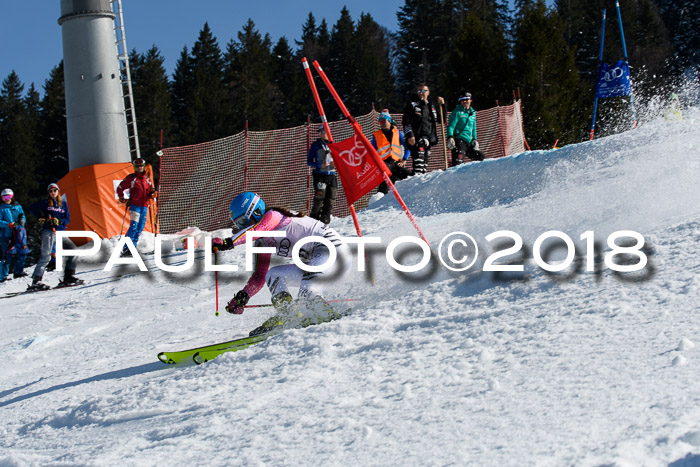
(358, 173)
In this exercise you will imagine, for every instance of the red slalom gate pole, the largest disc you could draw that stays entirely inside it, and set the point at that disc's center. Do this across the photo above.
(373, 152)
(322, 113)
(216, 279)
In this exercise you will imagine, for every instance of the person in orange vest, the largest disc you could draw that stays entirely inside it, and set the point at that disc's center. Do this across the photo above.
(389, 143)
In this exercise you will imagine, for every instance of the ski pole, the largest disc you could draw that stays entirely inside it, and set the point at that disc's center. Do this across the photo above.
(330, 301)
(150, 215)
(216, 279)
(126, 208)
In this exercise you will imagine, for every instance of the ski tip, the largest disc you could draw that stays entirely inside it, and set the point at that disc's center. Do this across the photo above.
(163, 357)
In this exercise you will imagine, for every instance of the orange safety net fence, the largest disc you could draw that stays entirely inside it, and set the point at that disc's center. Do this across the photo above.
(198, 182)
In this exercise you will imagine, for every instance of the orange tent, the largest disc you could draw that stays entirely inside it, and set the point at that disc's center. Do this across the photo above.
(91, 193)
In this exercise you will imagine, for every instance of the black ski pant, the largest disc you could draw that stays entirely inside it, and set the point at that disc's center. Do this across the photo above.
(464, 150)
(397, 173)
(420, 153)
(325, 190)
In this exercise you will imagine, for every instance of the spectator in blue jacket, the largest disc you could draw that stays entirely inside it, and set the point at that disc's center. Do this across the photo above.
(10, 211)
(53, 213)
(324, 177)
(19, 248)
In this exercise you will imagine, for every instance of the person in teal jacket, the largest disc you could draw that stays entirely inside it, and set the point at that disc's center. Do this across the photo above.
(10, 211)
(461, 132)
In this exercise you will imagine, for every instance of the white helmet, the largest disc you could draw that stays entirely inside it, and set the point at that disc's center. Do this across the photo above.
(7, 191)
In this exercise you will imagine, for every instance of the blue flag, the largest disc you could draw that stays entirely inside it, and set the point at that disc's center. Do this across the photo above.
(614, 81)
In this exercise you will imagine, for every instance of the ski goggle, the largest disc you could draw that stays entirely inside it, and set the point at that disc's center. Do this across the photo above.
(7, 197)
(241, 221)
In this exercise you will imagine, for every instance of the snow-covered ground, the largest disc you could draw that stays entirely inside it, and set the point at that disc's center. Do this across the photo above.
(431, 368)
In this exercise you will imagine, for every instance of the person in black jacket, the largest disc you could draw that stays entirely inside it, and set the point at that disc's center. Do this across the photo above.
(420, 127)
(324, 177)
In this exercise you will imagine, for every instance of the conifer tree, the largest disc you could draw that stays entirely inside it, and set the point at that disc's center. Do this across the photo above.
(53, 134)
(153, 103)
(425, 28)
(315, 41)
(315, 46)
(546, 73)
(340, 67)
(182, 91)
(682, 19)
(372, 77)
(292, 101)
(198, 93)
(323, 36)
(209, 110)
(249, 78)
(33, 124)
(650, 47)
(477, 62)
(18, 148)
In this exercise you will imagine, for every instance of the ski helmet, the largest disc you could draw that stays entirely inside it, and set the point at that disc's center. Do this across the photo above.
(139, 163)
(246, 209)
(7, 192)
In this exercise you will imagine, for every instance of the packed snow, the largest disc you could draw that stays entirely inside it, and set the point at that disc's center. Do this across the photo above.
(434, 367)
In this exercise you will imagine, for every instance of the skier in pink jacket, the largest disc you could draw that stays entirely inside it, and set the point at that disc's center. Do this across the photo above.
(248, 213)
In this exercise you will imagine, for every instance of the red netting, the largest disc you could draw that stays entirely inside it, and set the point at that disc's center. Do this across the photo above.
(198, 182)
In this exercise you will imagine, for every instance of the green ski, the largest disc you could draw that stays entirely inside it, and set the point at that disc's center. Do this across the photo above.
(205, 355)
(171, 358)
(209, 352)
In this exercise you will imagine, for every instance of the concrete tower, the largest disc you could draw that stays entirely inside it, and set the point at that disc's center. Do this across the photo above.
(97, 132)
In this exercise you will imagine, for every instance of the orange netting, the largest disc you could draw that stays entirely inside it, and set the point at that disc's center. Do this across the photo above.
(198, 182)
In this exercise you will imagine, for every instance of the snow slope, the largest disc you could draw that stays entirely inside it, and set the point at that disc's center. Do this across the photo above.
(431, 368)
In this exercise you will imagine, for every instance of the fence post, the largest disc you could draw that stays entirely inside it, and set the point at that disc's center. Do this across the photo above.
(374, 118)
(500, 130)
(245, 155)
(522, 121)
(308, 171)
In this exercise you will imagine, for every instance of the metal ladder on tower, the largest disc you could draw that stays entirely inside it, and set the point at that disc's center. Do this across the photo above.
(125, 75)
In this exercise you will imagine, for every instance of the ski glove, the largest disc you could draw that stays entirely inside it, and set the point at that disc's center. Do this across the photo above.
(451, 143)
(221, 244)
(237, 303)
(11, 225)
(475, 145)
(122, 200)
(54, 221)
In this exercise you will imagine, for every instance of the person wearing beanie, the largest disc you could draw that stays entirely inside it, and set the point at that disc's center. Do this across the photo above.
(389, 143)
(461, 132)
(10, 211)
(141, 191)
(53, 214)
(324, 177)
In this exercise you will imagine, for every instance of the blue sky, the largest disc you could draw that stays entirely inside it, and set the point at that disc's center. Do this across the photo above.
(31, 37)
